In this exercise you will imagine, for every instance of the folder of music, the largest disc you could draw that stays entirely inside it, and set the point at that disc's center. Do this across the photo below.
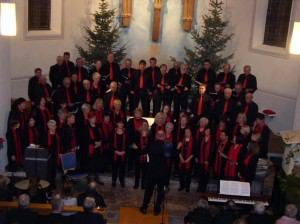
(235, 188)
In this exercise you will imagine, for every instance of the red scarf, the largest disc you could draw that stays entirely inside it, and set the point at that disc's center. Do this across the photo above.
(116, 146)
(218, 133)
(111, 103)
(129, 74)
(57, 146)
(98, 90)
(68, 96)
(143, 143)
(33, 135)
(236, 127)
(44, 117)
(230, 170)
(79, 75)
(259, 129)
(168, 119)
(23, 116)
(121, 116)
(219, 159)
(225, 78)
(88, 97)
(141, 80)
(204, 153)
(169, 139)
(180, 83)
(206, 76)
(153, 77)
(188, 154)
(199, 111)
(110, 72)
(246, 109)
(17, 142)
(178, 134)
(247, 159)
(137, 123)
(46, 92)
(107, 129)
(75, 88)
(162, 88)
(92, 137)
(199, 133)
(225, 107)
(245, 82)
(98, 116)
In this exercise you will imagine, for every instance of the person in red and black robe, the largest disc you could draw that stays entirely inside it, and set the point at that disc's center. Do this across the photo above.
(33, 81)
(207, 75)
(68, 134)
(247, 168)
(226, 78)
(43, 89)
(107, 130)
(141, 87)
(200, 132)
(133, 126)
(200, 105)
(96, 87)
(68, 66)
(248, 80)
(218, 129)
(167, 111)
(111, 70)
(140, 144)
(250, 108)
(241, 121)
(42, 116)
(158, 125)
(260, 127)
(118, 144)
(82, 72)
(174, 72)
(52, 141)
(235, 156)
(86, 95)
(238, 95)
(92, 147)
(57, 74)
(30, 134)
(163, 85)
(65, 94)
(204, 158)
(75, 87)
(96, 68)
(125, 79)
(98, 109)
(169, 139)
(14, 149)
(111, 96)
(221, 150)
(181, 91)
(216, 96)
(117, 114)
(19, 112)
(187, 149)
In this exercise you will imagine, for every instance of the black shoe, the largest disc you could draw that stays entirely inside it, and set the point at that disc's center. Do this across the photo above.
(180, 189)
(156, 212)
(143, 210)
(135, 186)
(114, 184)
(187, 190)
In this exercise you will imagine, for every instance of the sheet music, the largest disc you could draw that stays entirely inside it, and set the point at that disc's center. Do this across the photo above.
(235, 188)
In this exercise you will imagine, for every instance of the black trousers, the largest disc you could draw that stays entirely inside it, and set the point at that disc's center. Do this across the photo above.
(180, 103)
(168, 171)
(142, 95)
(161, 98)
(185, 177)
(150, 185)
(203, 178)
(118, 170)
(140, 168)
(124, 94)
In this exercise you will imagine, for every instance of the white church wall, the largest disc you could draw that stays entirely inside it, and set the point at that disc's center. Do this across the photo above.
(277, 77)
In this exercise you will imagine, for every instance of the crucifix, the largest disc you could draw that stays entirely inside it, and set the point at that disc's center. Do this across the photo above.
(156, 20)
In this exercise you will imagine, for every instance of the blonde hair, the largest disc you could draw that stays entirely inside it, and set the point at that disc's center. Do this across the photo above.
(140, 128)
(98, 102)
(138, 109)
(204, 119)
(51, 123)
(117, 102)
(245, 129)
(85, 107)
(113, 83)
(96, 75)
(244, 117)
(160, 115)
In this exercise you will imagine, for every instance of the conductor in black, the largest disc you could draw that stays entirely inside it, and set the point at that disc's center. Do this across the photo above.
(156, 174)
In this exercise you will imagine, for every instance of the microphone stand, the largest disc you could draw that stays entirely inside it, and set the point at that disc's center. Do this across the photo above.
(163, 207)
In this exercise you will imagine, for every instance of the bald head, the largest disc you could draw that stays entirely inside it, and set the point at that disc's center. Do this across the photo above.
(227, 93)
(160, 135)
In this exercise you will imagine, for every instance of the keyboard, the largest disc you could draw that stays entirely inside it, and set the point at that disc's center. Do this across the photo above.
(223, 199)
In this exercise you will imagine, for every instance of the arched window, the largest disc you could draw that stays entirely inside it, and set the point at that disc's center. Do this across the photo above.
(39, 14)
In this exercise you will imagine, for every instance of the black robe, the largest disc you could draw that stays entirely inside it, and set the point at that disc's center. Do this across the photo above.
(135, 82)
(105, 71)
(153, 72)
(84, 73)
(230, 79)
(56, 76)
(211, 77)
(68, 68)
(206, 106)
(107, 98)
(33, 81)
(251, 82)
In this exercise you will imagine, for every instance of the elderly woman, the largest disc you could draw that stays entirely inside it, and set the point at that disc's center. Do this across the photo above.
(98, 109)
(52, 140)
(158, 125)
(117, 114)
(95, 86)
(203, 122)
(289, 215)
(241, 121)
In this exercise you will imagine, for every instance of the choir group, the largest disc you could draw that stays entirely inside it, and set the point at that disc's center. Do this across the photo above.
(216, 131)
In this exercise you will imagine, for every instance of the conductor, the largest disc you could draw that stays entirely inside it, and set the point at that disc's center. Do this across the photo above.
(156, 174)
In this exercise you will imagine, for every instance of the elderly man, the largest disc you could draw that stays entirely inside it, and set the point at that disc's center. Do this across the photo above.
(91, 192)
(56, 73)
(248, 80)
(56, 215)
(226, 78)
(22, 214)
(43, 89)
(289, 215)
(250, 108)
(259, 215)
(65, 94)
(110, 69)
(110, 96)
(182, 88)
(82, 72)
(227, 107)
(156, 174)
(87, 216)
(201, 214)
(207, 75)
(86, 95)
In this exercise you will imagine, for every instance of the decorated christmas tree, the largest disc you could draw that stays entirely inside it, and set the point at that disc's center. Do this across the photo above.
(211, 42)
(103, 38)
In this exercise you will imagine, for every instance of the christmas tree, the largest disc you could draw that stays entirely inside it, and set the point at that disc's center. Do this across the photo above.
(211, 42)
(103, 38)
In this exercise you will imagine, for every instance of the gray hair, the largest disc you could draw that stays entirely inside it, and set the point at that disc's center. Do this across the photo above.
(170, 124)
(259, 208)
(291, 211)
(57, 204)
(89, 204)
(202, 203)
(23, 200)
(92, 185)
